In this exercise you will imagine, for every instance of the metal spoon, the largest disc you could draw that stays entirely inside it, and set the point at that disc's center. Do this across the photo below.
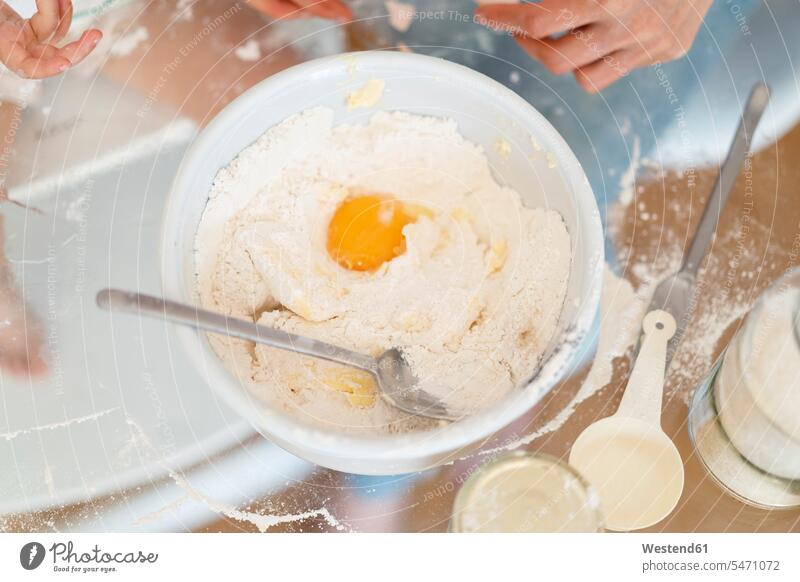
(675, 294)
(395, 379)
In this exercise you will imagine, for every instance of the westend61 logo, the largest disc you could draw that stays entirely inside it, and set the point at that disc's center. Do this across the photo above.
(67, 559)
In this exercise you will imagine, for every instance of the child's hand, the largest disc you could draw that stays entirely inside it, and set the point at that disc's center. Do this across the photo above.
(27, 45)
(332, 9)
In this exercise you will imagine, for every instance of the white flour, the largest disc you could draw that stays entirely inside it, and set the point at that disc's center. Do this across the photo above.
(125, 45)
(261, 521)
(249, 51)
(756, 389)
(772, 374)
(627, 181)
(621, 313)
(473, 301)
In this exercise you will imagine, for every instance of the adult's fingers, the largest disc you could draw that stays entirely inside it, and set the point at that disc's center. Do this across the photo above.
(573, 50)
(278, 8)
(598, 75)
(539, 20)
(331, 9)
(44, 22)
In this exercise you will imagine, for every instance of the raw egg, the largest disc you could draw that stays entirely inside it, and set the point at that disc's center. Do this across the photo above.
(367, 230)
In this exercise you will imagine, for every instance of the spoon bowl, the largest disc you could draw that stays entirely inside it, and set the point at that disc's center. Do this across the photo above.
(399, 387)
(635, 468)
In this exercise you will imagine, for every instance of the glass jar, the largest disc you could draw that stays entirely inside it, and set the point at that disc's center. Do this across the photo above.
(86, 12)
(522, 492)
(745, 417)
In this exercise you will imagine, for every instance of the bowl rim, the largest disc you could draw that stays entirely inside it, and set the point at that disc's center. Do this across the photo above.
(400, 447)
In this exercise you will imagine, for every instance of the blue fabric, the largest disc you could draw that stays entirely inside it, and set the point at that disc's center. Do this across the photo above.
(599, 128)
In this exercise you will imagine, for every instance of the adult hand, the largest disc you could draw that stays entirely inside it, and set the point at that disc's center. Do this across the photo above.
(331, 9)
(602, 40)
(27, 45)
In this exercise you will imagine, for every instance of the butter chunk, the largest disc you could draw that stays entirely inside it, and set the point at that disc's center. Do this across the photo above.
(367, 96)
(496, 257)
(357, 385)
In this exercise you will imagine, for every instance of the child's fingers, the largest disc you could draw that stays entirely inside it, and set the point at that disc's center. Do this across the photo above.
(78, 50)
(23, 365)
(8, 13)
(65, 19)
(13, 56)
(45, 22)
(43, 51)
(73, 53)
(36, 68)
(20, 60)
(37, 365)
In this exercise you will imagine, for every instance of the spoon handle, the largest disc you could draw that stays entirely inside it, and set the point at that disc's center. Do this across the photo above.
(116, 300)
(753, 109)
(642, 398)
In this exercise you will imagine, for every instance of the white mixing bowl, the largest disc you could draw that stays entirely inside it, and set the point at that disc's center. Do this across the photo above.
(544, 171)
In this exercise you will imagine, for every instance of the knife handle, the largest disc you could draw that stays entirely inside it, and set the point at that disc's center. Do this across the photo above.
(751, 115)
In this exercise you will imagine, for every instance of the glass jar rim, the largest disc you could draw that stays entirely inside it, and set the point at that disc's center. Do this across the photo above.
(592, 500)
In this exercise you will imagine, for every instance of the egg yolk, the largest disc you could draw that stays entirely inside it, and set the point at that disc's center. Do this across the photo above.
(367, 231)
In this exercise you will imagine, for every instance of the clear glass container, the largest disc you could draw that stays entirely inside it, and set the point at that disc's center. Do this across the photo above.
(744, 420)
(522, 492)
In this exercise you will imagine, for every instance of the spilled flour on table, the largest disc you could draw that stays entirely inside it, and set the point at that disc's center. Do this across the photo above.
(627, 181)
(621, 313)
(185, 9)
(8, 436)
(77, 209)
(262, 522)
(248, 52)
(655, 236)
(125, 45)
(720, 308)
